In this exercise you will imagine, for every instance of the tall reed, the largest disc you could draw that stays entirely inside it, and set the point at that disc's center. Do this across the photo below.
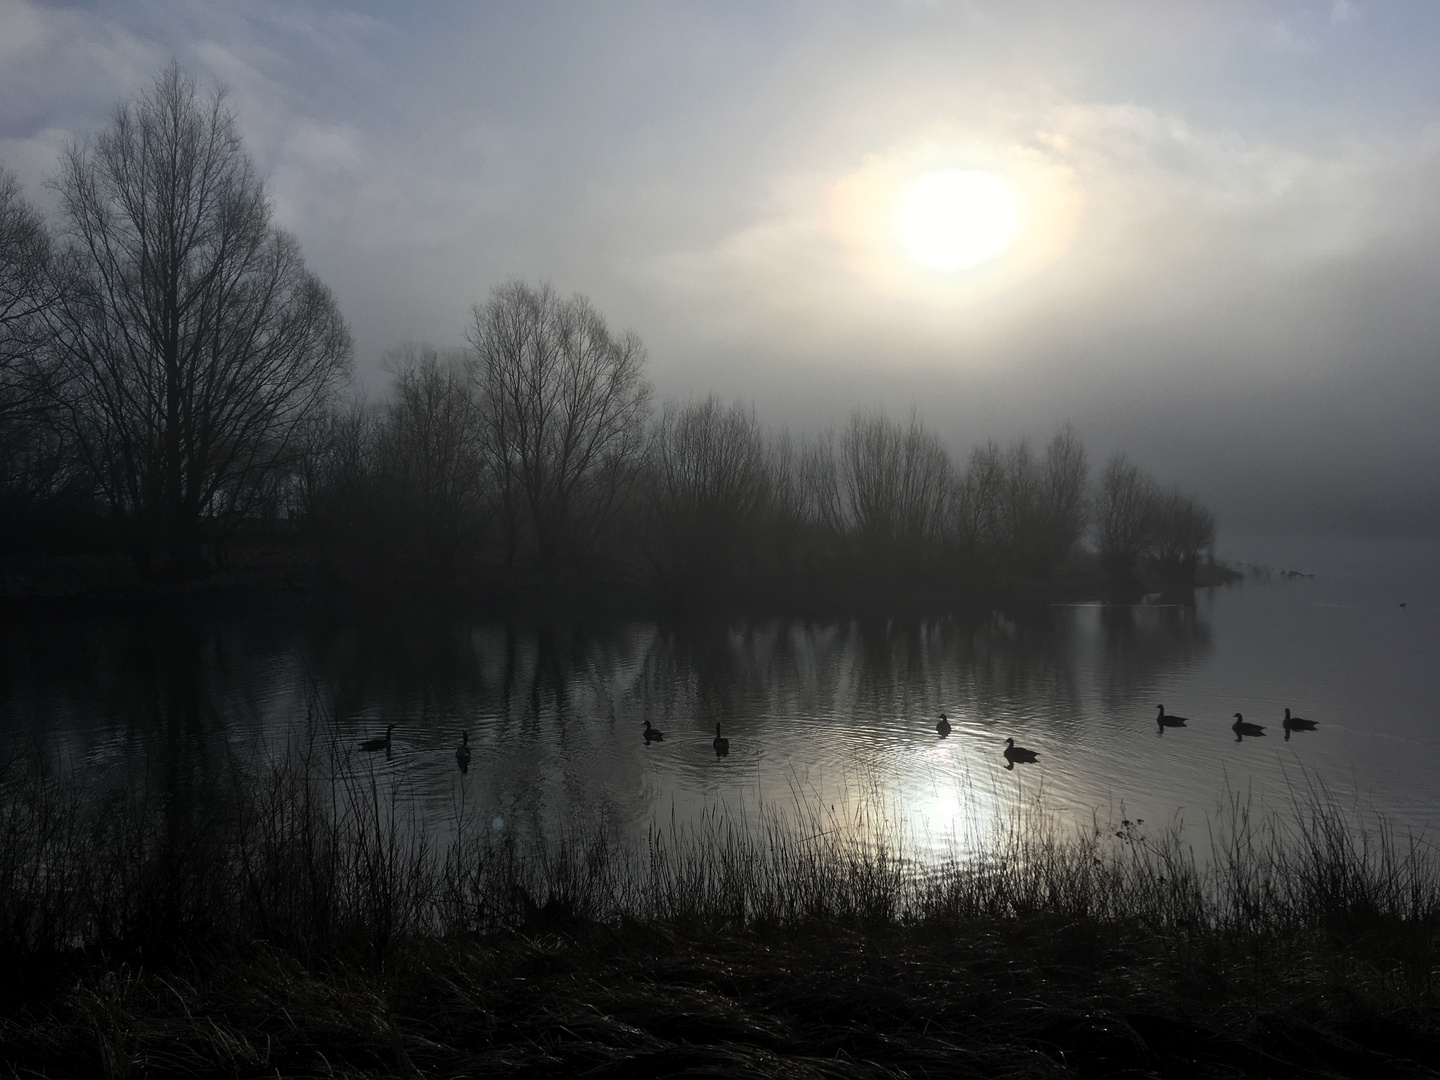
(313, 854)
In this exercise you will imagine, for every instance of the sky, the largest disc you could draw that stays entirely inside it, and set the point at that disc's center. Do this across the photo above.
(1227, 256)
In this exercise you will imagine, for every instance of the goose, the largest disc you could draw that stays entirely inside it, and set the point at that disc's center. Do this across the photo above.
(1167, 720)
(379, 743)
(722, 746)
(1297, 723)
(462, 752)
(1241, 728)
(652, 734)
(943, 727)
(1015, 753)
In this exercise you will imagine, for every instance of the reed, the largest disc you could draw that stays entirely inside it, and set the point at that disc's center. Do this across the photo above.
(298, 913)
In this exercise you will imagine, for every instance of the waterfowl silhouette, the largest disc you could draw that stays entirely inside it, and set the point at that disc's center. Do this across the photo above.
(462, 752)
(943, 726)
(652, 734)
(1165, 720)
(1241, 728)
(379, 743)
(1296, 723)
(1015, 753)
(722, 746)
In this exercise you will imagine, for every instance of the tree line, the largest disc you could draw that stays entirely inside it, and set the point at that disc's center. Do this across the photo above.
(172, 375)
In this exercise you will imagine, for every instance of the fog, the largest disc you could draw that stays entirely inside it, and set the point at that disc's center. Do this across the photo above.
(1228, 265)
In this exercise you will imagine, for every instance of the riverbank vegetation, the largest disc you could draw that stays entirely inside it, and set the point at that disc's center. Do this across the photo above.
(173, 391)
(293, 918)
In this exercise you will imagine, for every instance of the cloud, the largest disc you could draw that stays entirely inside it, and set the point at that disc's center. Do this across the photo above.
(1230, 224)
(1133, 213)
(21, 27)
(1344, 13)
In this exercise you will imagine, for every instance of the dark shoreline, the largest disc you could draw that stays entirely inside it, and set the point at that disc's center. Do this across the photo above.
(1039, 996)
(282, 577)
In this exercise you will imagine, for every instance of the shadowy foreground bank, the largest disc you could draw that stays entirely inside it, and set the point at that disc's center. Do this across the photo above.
(1029, 996)
(294, 923)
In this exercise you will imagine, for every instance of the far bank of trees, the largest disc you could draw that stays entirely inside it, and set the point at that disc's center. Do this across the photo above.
(171, 374)
(534, 454)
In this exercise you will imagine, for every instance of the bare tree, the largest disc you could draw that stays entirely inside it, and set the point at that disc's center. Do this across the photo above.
(1043, 506)
(36, 471)
(27, 291)
(1124, 518)
(978, 524)
(708, 485)
(1064, 503)
(430, 452)
(563, 407)
(896, 482)
(195, 346)
(335, 476)
(793, 525)
(1182, 530)
(1020, 510)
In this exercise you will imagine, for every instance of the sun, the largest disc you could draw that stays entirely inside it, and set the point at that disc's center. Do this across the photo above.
(954, 219)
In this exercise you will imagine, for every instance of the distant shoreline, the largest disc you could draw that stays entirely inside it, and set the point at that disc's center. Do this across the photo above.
(284, 575)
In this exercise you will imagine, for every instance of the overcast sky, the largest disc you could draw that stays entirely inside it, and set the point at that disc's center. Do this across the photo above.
(1228, 256)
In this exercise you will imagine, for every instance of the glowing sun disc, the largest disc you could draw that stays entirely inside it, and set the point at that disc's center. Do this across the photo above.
(955, 219)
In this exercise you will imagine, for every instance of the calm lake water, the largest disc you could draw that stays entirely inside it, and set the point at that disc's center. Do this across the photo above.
(818, 714)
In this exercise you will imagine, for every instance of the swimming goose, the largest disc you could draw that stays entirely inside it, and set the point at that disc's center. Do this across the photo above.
(1241, 728)
(1168, 720)
(652, 734)
(722, 746)
(379, 743)
(1296, 723)
(462, 752)
(1015, 753)
(943, 727)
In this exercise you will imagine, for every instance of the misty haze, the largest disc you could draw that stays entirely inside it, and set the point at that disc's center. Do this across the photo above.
(781, 540)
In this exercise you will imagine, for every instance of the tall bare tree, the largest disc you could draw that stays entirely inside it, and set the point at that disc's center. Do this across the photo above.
(707, 487)
(1065, 496)
(563, 408)
(1013, 511)
(34, 460)
(1183, 530)
(195, 345)
(430, 453)
(978, 524)
(335, 476)
(1124, 518)
(27, 291)
(896, 482)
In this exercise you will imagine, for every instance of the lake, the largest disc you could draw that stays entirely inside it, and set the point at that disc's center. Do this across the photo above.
(832, 714)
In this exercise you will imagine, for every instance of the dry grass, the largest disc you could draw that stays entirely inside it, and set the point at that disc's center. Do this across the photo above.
(292, 922)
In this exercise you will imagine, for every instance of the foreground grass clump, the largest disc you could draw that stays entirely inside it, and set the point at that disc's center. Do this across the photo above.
(291, 921)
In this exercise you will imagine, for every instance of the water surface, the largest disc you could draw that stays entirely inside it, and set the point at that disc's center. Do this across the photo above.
(818, 714)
